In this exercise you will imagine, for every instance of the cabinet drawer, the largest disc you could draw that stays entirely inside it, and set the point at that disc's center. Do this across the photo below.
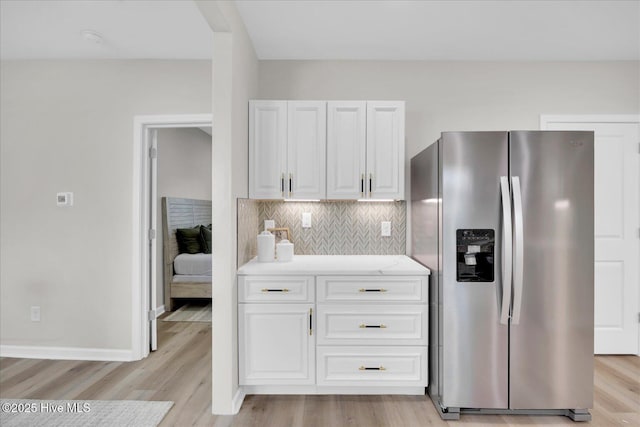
(372, 366)
(275, 288)
(372, 288)
(372, 324)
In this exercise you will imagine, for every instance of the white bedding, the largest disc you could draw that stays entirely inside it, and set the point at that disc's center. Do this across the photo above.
(193, 265)
(191, 278)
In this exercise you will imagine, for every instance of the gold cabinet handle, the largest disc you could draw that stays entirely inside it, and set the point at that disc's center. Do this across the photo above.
(275, 290)
(372, 290)
(380, 326)
(378, 368)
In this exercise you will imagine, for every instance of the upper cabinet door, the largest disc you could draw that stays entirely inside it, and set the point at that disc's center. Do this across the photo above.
(306, 150)
(385, 149)
(267, 149)
(346, 149)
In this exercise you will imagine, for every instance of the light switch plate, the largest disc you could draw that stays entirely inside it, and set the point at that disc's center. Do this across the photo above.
(385, 228)
(269, 223)
(35, 313)
(306, 220)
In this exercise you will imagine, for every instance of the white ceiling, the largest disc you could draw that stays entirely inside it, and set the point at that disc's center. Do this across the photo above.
(130, 28)
(444, 30)
(330, 29)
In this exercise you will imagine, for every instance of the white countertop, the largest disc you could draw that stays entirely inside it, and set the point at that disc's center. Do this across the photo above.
(338, 265)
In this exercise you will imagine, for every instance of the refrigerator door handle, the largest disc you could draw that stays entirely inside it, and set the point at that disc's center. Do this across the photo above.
(507, 250)
(518, 274)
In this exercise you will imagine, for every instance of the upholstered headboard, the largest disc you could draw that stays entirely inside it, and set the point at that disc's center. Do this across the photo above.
(182, 213)
(179, 213)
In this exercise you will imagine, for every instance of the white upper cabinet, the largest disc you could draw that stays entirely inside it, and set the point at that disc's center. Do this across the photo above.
(385, 149)
(267, 149)
(326, 150)
(306, 149)
(365, 150)
(287, 149)
(346, 149)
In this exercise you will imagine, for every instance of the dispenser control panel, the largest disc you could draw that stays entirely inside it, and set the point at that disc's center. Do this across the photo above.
(475, 250)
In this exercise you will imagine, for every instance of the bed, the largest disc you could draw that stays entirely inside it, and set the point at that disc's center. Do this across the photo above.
(186, 275)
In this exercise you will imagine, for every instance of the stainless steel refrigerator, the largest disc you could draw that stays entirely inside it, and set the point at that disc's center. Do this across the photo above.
(505, 222)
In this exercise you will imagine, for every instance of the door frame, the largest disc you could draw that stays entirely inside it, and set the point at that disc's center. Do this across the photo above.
(143, 126)
(546, 119)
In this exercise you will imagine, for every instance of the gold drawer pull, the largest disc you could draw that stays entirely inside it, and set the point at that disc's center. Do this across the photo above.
(275, 290)
(372, 290)
(380, 326)
(379, 368)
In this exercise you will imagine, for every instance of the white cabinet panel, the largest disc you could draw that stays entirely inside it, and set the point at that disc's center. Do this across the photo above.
(267, 148)
(372, 324)
(372, 366)
(287, 149)
(275, 288)
(306, 149)
(385, 149)
(372, 289)
(365, 150)
(276, 344)
(346, 149)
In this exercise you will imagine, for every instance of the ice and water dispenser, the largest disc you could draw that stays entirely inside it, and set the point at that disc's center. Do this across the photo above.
(475, 250)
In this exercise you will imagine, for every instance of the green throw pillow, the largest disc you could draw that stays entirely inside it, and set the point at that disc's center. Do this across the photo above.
(205, 239)
(188, 240)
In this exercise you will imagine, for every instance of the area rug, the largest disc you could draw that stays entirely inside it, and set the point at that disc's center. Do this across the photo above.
(190, 313)
(81, 413)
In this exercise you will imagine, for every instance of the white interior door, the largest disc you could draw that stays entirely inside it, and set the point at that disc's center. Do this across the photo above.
(617, 228)
(153, 247)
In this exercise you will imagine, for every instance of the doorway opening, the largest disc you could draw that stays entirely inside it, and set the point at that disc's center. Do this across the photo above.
(147, 284)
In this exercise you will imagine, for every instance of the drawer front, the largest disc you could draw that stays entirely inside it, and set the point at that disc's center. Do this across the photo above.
(275, 288)
(372, 324)
(406, 289)
(372, 366)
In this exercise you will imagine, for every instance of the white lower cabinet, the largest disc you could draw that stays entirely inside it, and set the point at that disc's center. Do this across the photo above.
(276, 344)
(365, 334)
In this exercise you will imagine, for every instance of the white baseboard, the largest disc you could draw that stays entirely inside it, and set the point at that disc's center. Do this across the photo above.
(236, 404)
(66, 353)
(159, 311)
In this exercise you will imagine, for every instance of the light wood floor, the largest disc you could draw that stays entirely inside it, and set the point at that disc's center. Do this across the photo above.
(181, 372)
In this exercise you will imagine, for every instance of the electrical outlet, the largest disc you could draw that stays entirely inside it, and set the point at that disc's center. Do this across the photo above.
(35, 313)
(306, 220)
(269, 223)
(385, 228)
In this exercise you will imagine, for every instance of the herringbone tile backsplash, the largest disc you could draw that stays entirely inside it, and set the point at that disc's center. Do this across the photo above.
(337, 228)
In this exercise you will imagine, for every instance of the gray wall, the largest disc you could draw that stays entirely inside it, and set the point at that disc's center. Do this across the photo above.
(184, 171)
(457, 96)
(68, 126)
